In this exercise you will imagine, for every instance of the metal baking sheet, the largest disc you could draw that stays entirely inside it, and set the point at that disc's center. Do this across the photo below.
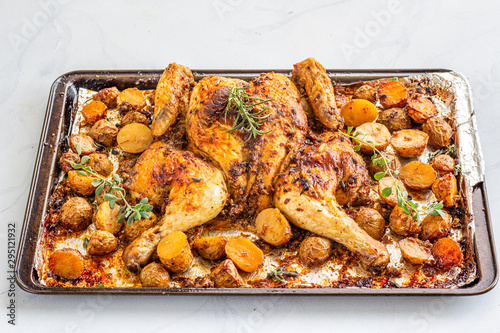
(62, 105)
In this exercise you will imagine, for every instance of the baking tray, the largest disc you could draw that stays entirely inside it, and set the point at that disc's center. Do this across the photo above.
(62, 104)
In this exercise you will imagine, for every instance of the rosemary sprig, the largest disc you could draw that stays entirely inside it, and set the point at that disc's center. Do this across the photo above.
(278, 273)
(243, 103)
(379, 160)
(115, 192)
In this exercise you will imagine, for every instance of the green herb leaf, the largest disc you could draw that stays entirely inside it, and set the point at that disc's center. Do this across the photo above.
(109, 197)
(84, 159)
(379, 175)
(386, 192)
(99, 190)
(85, 242)
(394, 79)
(82, 173)
(78, 148)
(100, 285)
(357, 148)
(97, 182)
(121, 218)
(144, 201)
(406, 210)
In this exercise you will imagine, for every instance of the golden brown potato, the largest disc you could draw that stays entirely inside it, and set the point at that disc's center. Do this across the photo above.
(226, 275)
(154, 275)
(403, 224)
(377, 133)
(68, 156)
(395, 119)
(174, 252)
(447, 253)
(94, 111)
(414, 250)
(445, 190)
(392, 94)
(443, 164)
(358, 111)
(134, 230)
(410, 142)
(107, 96)
(107, 219)
(104, 132)
(81, 184)
(101, 164)
(439, 132)
(131, 99)
(211, 248)
(273, 227)
(435, 227)
(134, 117)
(371, 221)
(245, 254)
(135, 138)
(315, 251)
(85, 142)
(101, 243)
(76, 214)
(365, 92)
(386, 182)
(392, 163)
(67, 263)
(420, 108)
(417, 175)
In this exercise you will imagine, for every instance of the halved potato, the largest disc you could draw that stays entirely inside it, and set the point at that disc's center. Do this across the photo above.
(131, 99)
(315, 251)
(439, 131)
(392, 94)
(445, 190)
(435, 227)
(378, 135)
(211, 248)
(226, 275)
(245, 254)
(402, 223)
(81, 184)
(386, 182)
(443, 164)
(94, 111)
(371, 221)
(174, 252)
(420, 108)
(106, 218)
(134, 138)
(410, 142)
(447, 253)
(154, 275)
(358, 111)
(414, 250)
(395, 119)
(84, 142)
(365, 92)
(67, 263)
(417, 175)
(273, 227)
(101, 243)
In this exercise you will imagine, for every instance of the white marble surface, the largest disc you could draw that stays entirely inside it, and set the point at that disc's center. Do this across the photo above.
(41, 40)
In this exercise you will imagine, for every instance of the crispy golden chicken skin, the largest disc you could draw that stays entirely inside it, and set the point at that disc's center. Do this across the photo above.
(311, 76)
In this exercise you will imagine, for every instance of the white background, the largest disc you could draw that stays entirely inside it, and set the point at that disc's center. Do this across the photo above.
(42, 40)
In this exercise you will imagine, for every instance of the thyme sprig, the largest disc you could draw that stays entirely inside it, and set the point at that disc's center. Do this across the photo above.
(115, 192)
(278, 273)
(243, 103)
(378, 159)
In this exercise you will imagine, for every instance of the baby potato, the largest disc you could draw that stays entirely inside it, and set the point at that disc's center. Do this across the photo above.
(245, 254)
(395, 119)
(414, 250)
(417, 175)
(392, 162)
(273, 227)
(226, 275)
(445, 190)
(447, 253)
(420, 108)
(135, 138)
(443, 164)
(154, 275)
(67, 263)
(68, 156)
(104, 132)
(174, 252)
(392, 94)
(211, 248)
(76, 214)
(377, 133)
(134, 117)
(403, 224)
(134, 230)
(435, 227)
(386, 182)
(101, 243)
(108, 96)
(86, 143)
(371, 221)
(358, 111)
(131, 99)
(107, 219)
(101, 164)
(94, 111)
(81, 184)
(410, 142)
(314, 251)
(439, 132)
(365, 92)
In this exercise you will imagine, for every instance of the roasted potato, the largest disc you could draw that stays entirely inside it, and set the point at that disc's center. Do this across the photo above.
(386, 182)
(410, 142)
(134, 230)
(245, 254)
(445, 190)
(414, 250)
(395, 119)
(67, 263)
(392, 162)
(226, 275)
(94, 111)
(104, 132)
(101, 164)
(81, 184)
(134, 117)
(371, 221)
(420, 108)
(174, 252)
(101, 242)
(131, 99)
(107, 219)
(76, 214)
(443, 164)
(68, 156)
(154, 275)
(435, 227)
(392, 94)
(211, 248)
(135, 138)
(85, 142)
(447, 253)
(108, 96)
(377, 133)
(315, 251)
(365, 92)
(273, 227)
(403, 224)
(358, 111)
(439, 132)
(417, 175)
